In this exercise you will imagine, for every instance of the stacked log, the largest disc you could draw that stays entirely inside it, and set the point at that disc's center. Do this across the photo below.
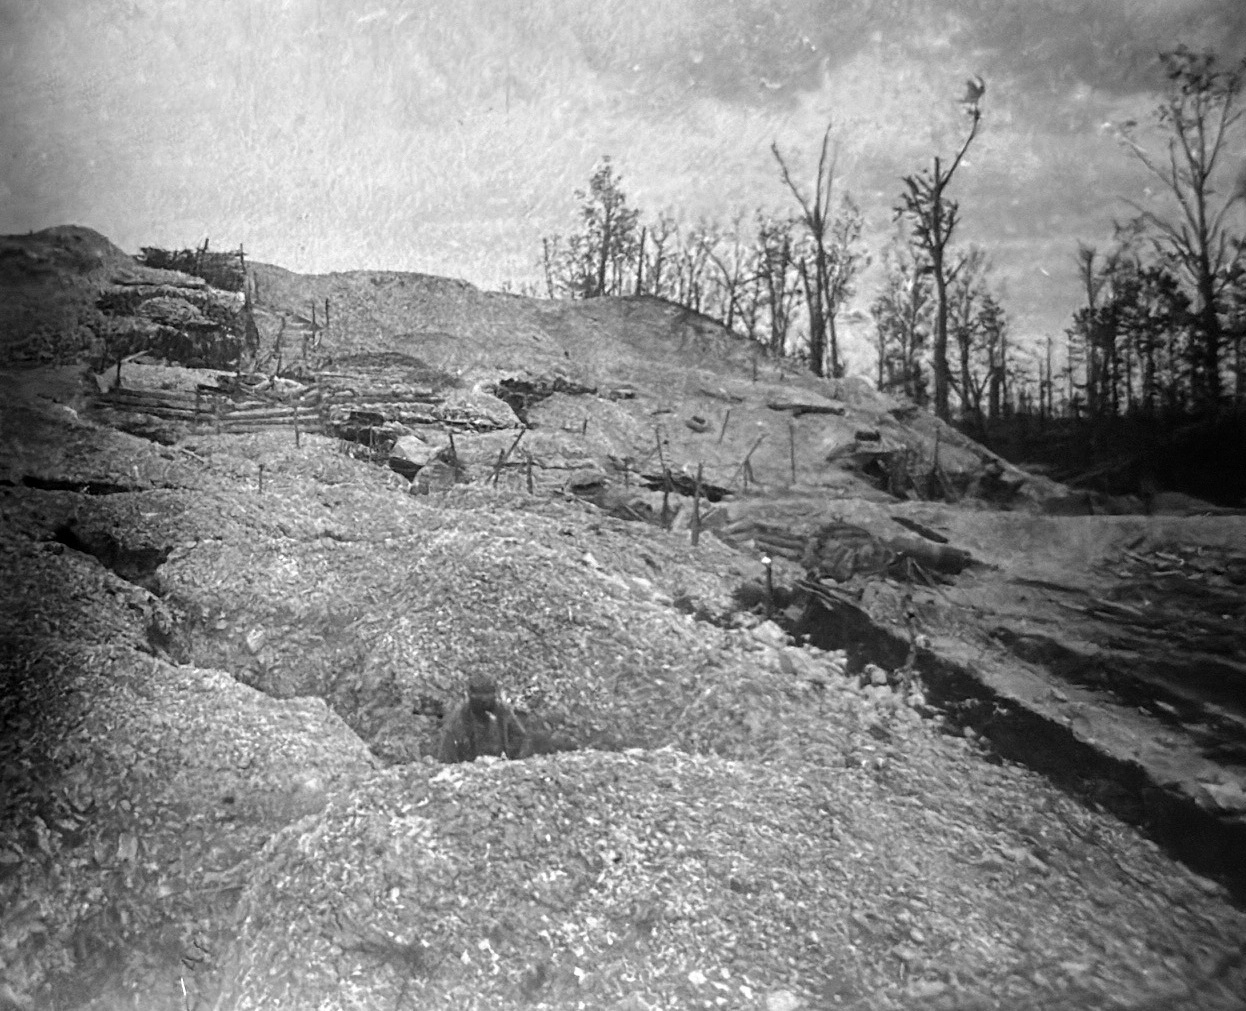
(217, 408)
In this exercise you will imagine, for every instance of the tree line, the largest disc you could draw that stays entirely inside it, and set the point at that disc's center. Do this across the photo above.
(759, 275)
(1162, 329)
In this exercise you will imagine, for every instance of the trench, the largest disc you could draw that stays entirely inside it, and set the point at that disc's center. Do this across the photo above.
(325, 655)
(79, 487)
(137, 565)
(1212, 845)
(521, 395)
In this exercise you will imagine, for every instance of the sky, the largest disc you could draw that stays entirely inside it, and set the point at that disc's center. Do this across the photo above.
(449, 136)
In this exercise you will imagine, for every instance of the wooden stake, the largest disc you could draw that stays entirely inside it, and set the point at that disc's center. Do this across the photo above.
(745, 467)
(118, 382)
(497, 468)
(791, 447)
(696, 508)
(511, 448)
(261, 479)
(531, 487)
(296, 425)
(666, 481)
(723, 431)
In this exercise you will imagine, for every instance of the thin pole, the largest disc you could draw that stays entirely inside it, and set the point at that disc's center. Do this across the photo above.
(791, 439)
(696, 508)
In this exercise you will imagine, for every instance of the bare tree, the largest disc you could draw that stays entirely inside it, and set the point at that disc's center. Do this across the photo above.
(965, 295)
(1091, 325)
(832, 262)
(934, 218)
(1198, 113)
(606, 247)
(902, 316)
(654, 263)
(736, 264)
(1133, 337)
(777, 269)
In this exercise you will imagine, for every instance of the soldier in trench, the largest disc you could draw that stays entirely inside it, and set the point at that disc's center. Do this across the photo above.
(482, 725)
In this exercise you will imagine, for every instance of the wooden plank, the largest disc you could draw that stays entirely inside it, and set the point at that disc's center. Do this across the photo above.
(174, 398)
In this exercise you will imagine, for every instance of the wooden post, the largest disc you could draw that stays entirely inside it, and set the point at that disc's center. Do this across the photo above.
(666, 480)
(118, 382)
(296, 425)
(584, 426)
(531, 488)
(696, 508)
(723, 431)
(791, 447)
(745, 467)
(261, 478)
(657, 439)
(454, 454)
(510, 449)
(497, 468)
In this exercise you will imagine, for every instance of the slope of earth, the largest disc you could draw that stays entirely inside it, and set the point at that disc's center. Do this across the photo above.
(601, 383)
(226, 660)
(1089, 654)
(1105, 650)
(755, 830)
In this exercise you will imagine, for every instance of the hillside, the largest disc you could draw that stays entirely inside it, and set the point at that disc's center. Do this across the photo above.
(934, 765)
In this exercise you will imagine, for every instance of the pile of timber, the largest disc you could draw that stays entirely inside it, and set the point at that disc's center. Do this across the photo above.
(401, 403)
(212, 406)
(359, 408)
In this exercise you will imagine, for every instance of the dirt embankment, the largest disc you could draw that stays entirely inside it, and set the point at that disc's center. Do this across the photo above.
(226, 656)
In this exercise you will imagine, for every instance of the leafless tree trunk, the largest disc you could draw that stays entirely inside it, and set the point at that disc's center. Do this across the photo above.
(934, 220)
(827, 272)
(1199, 111)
